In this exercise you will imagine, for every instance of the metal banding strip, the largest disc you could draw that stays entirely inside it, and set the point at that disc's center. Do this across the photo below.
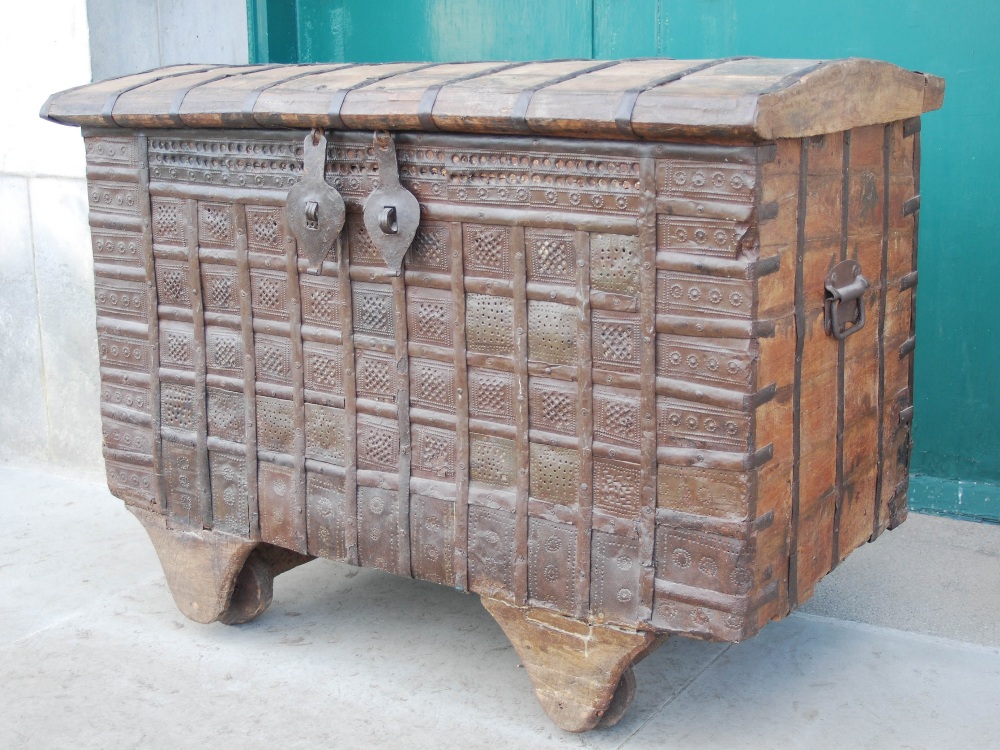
(792, 78)
(906, 415)
(251, 100)
(657, 150)
(845, 207)
(249, 371)
(626, 105)
(298, 448)
(912, 127)
(200, 363)
(520, 110)
(152, 300)
(883, 272)
(350, 401)
(585, 420)
(522, 483)
(649, 437)
(404, 514)
(800, 334)
(174, 113)
(907, 347)
(460, 559)
(109, 104)
(337, 102)
(426, 107)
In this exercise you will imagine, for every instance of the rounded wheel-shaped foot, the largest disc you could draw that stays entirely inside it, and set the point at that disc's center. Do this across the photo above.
(252, 593)
(620, 701)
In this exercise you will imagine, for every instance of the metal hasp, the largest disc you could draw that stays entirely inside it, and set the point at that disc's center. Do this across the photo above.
(315, 210)
(844, 306)
(392, 213)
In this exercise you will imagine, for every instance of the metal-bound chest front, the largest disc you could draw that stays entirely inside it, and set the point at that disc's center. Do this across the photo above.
(618, 388)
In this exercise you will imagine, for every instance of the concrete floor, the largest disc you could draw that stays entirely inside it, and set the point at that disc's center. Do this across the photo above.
(899, 648)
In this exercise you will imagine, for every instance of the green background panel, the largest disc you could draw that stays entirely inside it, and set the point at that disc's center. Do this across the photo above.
(957, 419)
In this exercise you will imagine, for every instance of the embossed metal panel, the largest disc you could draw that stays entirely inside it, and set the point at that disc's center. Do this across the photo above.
(582, 390)
(327, 516)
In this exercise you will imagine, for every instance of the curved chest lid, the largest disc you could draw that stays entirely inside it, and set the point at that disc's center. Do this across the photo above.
(744, 99)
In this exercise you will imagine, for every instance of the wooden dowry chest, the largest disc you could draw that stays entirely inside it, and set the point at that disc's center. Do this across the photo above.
(623, 347)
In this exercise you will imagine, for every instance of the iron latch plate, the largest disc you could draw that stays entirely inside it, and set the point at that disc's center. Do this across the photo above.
(392, 212)
(315, 210)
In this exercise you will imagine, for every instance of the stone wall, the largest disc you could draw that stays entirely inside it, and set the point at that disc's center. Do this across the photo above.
(49, 399)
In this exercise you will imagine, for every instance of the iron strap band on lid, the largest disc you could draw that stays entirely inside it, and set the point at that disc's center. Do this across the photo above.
(174, 112)
(107, 111)
(520, 110)
(793, 78)
(626, 105)
(426, 107)
(250, 102)
(337, 102)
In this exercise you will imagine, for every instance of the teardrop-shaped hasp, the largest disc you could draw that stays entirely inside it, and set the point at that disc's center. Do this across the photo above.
(392, 213)
(315, 210)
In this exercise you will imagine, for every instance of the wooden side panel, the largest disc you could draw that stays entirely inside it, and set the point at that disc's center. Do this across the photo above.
(710, 431)
(822, 169)
(128, 336)
(776, 364)
(862, 242)
(901, 209)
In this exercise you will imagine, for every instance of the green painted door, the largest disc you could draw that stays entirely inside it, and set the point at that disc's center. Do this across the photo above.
(957, 418)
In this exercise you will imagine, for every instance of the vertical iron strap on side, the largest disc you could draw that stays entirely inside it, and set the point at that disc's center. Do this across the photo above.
(845, 198)
(425, 110)
(883, 287)
(800, 339)
(912, 129)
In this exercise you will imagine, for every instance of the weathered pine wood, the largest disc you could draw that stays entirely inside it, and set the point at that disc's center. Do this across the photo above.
(745, 98)
(897, 328)
(862, 242)
(200, 566)
(822, 167)
(776, 300)
(574, 685)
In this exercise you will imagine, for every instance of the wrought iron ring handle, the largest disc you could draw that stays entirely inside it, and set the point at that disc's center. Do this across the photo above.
(312, 215)
(387, 220)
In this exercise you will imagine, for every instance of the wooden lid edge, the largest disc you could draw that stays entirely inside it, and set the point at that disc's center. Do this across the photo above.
(826, 96)
(933, 92)
(844, 94)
